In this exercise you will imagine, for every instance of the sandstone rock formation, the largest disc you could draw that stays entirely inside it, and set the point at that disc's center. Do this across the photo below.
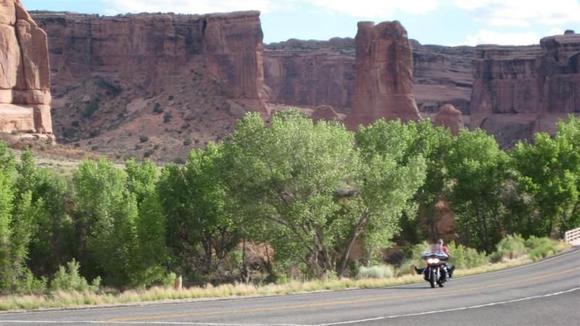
(442, 75)
(311, 73)
(522, 90)
(449, 117)
(183, 80)
(24, 73)
(384, 75)
(326, 113)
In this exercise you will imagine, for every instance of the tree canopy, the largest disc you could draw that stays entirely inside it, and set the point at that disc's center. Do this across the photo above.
(323, 199)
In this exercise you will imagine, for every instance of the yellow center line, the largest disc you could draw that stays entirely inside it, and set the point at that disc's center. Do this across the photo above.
(350, 302)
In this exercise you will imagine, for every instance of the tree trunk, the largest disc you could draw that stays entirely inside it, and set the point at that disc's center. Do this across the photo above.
(244, 272)
(354, 236)
(207, 247)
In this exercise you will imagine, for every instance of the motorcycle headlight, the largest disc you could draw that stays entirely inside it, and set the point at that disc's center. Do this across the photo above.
(433, 261)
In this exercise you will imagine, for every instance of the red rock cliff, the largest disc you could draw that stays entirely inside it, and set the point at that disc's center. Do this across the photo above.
(24, 72)
(522, 90)
(177, 78)
(384, 75)
(442, 75)
(313, 73)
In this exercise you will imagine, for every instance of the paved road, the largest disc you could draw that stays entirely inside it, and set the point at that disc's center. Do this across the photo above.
(545, 293)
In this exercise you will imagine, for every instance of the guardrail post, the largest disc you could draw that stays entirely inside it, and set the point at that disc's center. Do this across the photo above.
(573, 237)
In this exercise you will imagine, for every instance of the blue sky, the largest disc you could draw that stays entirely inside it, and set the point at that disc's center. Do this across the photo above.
(445, 22)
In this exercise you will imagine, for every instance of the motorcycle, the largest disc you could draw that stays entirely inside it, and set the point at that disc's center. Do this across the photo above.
(436, 270)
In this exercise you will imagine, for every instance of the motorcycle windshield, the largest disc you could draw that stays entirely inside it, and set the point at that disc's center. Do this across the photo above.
(440, 255)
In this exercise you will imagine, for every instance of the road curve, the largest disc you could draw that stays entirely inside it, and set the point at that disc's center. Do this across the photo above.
(543, 293)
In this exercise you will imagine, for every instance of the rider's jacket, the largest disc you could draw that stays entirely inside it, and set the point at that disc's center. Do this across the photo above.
(440, 248)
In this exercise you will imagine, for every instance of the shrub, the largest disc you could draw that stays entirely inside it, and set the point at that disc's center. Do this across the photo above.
(417, 252)
(510, 247)
(69, 279)
(464, 257)
(148, 153)
(143, 138)
(541, 247)
(168, 280)
(157, 109)
(109, 87)
(90, 108)
(407, 268)
(474, 258)
(377, 271)
(154, 276)
(28, 284)
(167, 116)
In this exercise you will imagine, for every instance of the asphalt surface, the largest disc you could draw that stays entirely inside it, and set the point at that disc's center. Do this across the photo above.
(544, 293)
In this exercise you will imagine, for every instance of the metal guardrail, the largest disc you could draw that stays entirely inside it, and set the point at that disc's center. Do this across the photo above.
(573, 237)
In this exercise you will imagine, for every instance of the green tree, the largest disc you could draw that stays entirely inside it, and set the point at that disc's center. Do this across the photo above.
(142, 178)
(287, 176)
(52, 243)
(17, 214)
(477, 171)
(548, 181)
(403, 142)
(106, 221)
(392, 172)
(433, 143)
(199, 221)
(151, 255)
(7, 160)
(22, 229)
(6, 202)
(314, 192)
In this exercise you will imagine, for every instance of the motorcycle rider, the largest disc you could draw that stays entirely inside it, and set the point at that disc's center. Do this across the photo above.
(439, 247)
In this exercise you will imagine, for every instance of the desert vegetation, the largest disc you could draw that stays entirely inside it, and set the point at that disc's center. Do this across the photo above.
(291, 200)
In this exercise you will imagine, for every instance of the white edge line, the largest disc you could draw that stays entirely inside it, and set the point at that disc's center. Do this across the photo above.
(491, 304)
(198, 300)
(349, 322)
(97, 322)
(353, 321)
(565, 253)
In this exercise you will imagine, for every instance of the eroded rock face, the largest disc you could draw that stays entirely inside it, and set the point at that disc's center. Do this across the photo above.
(384, 75)
(326, 113)
(449, 117)
(24, 79)
(519, 91)
(145, 48)
(181, 79)
(442, 75)
(311, 73)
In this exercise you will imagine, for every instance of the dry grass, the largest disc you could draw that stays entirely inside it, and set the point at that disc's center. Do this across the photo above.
(81, 299)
